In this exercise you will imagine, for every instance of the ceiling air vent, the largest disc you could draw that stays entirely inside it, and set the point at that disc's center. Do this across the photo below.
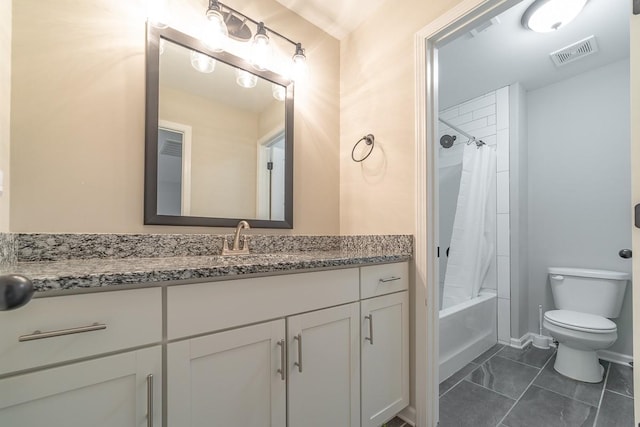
(574, 51)
(171, 148)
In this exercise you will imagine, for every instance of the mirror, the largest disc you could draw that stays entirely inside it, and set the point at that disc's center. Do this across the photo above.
(219, 137)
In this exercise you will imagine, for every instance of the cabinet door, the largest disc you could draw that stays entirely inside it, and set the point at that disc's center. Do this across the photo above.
(385, 357)
(324, 366)
(106, 392)
(231, 378)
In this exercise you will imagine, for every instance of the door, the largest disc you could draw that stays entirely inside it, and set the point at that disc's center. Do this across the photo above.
(232, 378)
(324, 366)
(384, 345)
(113, 391)
(635, 185)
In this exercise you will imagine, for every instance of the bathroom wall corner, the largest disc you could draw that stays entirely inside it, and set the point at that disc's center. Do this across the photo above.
(5, 109)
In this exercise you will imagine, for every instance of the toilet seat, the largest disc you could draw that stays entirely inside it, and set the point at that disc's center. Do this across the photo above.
(577, 321)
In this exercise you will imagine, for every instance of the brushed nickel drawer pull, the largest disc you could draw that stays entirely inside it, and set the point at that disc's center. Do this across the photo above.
(38, 335)
(370, 337)
(150, 400)
(283, 366)
(390, 279)
(299, 362)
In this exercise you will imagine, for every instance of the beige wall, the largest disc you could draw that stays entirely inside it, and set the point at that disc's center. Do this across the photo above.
(377, 95)
(223, 153)
(78, 116)
(5, 107)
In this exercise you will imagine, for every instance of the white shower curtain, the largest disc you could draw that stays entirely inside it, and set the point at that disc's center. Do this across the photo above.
(473, 239)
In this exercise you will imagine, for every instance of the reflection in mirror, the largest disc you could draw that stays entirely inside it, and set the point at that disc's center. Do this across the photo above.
(222, 151)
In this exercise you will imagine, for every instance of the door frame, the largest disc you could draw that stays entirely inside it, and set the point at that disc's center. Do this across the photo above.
(451, 24)
(186, 132)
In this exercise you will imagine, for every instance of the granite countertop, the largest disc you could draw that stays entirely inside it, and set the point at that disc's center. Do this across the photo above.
(99, 273)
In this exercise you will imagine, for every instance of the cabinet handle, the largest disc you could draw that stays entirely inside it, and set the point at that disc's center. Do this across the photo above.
(390, 279)
(150, 400)
(283, 366)
(299, 362)
(38, 335)
(370, 337)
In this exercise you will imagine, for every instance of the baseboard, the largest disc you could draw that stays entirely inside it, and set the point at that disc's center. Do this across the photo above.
(525, 340)
(408, 415)
(613, 357)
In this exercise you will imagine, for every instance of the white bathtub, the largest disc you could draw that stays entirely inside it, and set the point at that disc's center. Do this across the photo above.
(466, 331)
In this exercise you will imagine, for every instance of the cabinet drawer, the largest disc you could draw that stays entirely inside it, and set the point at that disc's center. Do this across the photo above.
(383, 279)
(132, 318)
(211, 306)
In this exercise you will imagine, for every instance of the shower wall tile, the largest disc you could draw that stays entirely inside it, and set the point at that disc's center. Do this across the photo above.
(485, 131)
(503, 192)
(504, 277)
(491, 279)
(491, 120)
(478, 103)
(450, 113)
(503, 234)
(473, 126)
(459, 120)
(502, 107)
(503, 150)
(487, 111)
(490, 140)
(504, 320)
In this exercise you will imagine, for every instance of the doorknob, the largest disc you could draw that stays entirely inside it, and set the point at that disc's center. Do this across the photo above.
(625, 253)
(15, 291)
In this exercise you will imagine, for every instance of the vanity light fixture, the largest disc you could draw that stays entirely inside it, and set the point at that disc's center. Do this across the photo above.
(203, 63)
(246, 79)
(544, 16)
(278, 91)
(261, 50)
(227, 22)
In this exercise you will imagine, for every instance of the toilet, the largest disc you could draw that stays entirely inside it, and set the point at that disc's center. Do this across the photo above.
(585, 300)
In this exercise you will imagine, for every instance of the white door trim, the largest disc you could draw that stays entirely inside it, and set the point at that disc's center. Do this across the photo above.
(426, 275)
(185, 130)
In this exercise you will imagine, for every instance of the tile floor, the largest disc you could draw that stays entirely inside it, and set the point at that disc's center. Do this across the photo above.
(506, 387)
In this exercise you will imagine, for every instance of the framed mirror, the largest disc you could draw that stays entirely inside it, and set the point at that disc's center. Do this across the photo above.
(219, 137)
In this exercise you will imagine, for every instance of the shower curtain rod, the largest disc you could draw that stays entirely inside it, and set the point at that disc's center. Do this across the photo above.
(472, 138)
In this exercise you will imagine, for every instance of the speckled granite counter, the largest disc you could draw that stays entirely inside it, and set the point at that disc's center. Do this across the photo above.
(99, 273)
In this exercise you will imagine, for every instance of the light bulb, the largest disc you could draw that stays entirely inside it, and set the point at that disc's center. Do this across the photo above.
(278, 91)
(544, 16)
(260, 49)
(157, 13)
(215, 31)
(202, 62)
(246, 79)
(299, 71)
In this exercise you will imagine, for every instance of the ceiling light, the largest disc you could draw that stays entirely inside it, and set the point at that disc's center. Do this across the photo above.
(544, 16)
(299, 63)
(215, 31)
(203, 63)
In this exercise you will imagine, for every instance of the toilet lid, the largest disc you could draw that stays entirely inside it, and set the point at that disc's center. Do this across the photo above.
(580, 321)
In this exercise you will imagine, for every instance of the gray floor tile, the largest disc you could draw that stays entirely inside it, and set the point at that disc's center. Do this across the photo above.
(529, 355)
(487, 354)
(540, 407)
(585, 392)
(616, 410)
(396, 422)
(468, 404)
(454, 379)
(504, 376)
(620, 379)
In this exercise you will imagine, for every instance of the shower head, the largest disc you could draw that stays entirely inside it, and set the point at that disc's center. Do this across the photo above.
(447, 141)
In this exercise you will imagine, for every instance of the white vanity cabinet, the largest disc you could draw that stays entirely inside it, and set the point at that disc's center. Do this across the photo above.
(52, 370)
(324, 368)
(112, 391)
(384, 343)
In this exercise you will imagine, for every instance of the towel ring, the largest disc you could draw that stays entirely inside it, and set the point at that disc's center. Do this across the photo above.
(368, 139)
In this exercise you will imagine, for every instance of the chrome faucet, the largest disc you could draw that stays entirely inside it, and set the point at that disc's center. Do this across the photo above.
(236, 242)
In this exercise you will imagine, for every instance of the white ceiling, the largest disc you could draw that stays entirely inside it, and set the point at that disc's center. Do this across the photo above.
(336, 17)
(507, 53)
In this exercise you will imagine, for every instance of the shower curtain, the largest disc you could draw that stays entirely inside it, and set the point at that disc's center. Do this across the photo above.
(473, 239)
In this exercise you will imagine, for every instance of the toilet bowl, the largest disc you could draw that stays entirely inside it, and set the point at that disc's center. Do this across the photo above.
(580, 336)
(585, 300)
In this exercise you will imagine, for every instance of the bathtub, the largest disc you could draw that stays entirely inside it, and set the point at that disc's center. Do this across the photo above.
(466, 331)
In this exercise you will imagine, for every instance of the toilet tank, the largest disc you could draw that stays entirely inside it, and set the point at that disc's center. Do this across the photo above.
(598, 292)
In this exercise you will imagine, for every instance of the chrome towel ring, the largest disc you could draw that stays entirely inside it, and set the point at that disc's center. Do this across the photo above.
(368, 139)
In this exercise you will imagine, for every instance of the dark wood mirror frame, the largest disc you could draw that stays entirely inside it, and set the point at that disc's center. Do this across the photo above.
(151, 215)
